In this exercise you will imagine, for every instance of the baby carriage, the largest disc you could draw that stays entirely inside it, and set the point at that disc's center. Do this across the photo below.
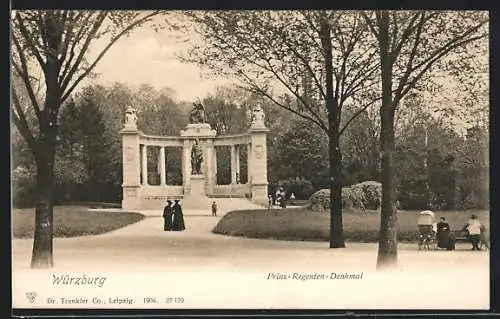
(426, 235)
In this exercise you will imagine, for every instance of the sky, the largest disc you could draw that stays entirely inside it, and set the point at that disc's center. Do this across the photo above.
(149, 57)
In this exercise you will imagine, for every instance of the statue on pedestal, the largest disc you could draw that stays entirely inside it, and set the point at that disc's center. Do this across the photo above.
(258, 117)
(197, 114)
(130, 117)
(196, 158)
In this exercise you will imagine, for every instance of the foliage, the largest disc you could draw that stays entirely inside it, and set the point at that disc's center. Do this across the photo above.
(23, 187)
(361, 148)
(317, 59)
(410, 45)
(300, 187)
(302, 152)
(302, 224)
(360, 196)
(371, 193)
(228, 110)
(57, 43)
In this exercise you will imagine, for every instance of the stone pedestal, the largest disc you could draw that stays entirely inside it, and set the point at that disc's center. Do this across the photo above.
(131, 168)
(258, 161)
(197, 186)
(198, 130)
(196, 201)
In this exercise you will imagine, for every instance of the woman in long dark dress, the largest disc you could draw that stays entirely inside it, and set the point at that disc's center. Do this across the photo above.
(167, 216)
(444, 239)
(178, 217)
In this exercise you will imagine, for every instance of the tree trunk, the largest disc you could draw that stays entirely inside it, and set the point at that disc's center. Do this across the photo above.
(335, 161)
(45, 156)
(42, 244)
(387, 250)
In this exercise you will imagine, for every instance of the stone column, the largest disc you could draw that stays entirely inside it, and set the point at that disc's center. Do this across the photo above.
(163, 179)
(144, 159)
(131, 167)
(186, 166)
(214, 164)
(208, 158)
(259, 165)
(237, 157)
(233, 164)
(249, 163)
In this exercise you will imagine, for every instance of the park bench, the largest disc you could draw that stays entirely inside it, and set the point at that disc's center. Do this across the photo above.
(461, 236)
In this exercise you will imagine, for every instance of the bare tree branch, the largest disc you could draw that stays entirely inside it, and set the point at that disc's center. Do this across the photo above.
(19, 119)
(23, 72)
(66, 63)
(30, 41)
(357, 113)
(83, 50)
(411, 57)
(99, 57)
(257, 89)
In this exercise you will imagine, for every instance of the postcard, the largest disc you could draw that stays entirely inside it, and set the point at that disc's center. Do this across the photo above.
(250, 160)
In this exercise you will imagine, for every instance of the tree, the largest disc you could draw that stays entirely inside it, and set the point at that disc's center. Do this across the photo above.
(410, 45)
(57, 43)
(319, 59)
(301, 144)
(225, 113)
(361, 148)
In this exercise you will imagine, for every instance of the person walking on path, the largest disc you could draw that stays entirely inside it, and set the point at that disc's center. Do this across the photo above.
(178, 224)
(214, 209)
(167, 216)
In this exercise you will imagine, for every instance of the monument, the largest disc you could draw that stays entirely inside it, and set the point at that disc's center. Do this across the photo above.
(198, 143)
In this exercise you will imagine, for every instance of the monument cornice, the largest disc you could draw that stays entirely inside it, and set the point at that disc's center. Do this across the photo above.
(259, 129)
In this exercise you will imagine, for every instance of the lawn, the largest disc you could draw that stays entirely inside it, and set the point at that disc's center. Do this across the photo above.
(304, 224)
(73, 221)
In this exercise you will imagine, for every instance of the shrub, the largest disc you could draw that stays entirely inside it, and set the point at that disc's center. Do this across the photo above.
(372, 193)
(320, 201)
(23, 187)
(366, 195)
(353, 197)
(302, 188)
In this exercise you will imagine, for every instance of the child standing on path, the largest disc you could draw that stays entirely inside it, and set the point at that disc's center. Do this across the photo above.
(214, 209)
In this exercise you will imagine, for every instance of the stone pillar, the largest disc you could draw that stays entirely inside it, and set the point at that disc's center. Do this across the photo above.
(163, 177)
(186, 166)
(259, 165)
(249, 164)
(144, 159)
(214, 163)
(131, 167)
(233, 164)
(208, 171)
(237, 157)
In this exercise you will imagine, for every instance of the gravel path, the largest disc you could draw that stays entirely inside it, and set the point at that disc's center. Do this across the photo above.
(198, 262)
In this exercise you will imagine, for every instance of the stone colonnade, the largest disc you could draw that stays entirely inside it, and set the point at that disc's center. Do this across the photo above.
(139, 194)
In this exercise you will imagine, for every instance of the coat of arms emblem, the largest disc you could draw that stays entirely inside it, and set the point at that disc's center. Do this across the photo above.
(31, 295)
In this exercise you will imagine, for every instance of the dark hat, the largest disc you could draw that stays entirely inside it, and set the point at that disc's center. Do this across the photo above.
(177, 200)
(473, 216)
(442, 218)
(169, 201)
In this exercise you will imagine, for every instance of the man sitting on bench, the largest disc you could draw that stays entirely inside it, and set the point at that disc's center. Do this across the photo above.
(474, 228)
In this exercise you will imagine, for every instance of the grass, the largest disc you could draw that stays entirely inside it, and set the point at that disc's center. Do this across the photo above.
(73, 221)
(298, 202)
(303, 224)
